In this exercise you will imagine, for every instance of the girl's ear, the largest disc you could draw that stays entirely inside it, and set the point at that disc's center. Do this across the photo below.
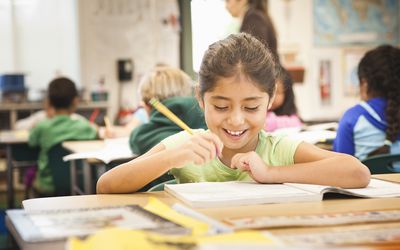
(147, 107)
(198, 96)
(363, 89)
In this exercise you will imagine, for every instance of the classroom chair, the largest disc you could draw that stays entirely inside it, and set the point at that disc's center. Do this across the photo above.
(60, 170)
(160, 186)
(25, 158)
(382, 164)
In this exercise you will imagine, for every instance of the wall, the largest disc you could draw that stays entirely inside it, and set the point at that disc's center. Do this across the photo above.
(293, 21)
(40, 39)
(142, 30)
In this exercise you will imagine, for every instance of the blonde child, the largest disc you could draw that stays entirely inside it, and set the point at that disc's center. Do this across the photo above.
(174, 88)
(237, 85)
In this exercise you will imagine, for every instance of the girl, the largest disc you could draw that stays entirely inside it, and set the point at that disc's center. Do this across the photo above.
(255, 20)
(283, 111)
(372, 127)
(237, 84)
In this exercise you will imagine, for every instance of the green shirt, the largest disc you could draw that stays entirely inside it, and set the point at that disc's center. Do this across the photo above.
(51, 132)
(274, 150)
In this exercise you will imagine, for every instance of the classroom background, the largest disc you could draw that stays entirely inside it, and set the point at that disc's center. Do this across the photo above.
(105, 46)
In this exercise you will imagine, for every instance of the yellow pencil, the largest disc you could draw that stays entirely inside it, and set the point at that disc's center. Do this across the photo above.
(165, 111)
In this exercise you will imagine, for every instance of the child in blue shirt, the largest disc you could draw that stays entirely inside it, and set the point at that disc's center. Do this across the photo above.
(236, 87)
(372, 127)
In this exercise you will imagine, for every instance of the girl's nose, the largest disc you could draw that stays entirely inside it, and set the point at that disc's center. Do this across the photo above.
(236, 118)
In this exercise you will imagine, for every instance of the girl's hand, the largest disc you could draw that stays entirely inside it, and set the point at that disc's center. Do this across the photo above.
(199, 149)
(253, 164)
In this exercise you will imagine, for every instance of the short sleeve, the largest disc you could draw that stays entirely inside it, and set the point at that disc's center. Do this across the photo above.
(344, 142)
(282, 150)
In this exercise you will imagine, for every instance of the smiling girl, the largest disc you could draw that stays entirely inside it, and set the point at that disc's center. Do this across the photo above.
(237, 86)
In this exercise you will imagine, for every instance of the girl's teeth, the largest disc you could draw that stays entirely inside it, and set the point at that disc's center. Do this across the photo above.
(236, 133)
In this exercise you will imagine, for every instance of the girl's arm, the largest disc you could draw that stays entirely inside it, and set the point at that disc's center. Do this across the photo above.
(133, 175)
(312, 165)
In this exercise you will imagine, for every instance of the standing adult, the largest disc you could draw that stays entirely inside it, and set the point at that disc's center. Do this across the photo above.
(255, 20)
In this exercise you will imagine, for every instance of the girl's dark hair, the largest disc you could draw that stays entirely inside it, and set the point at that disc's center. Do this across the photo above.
(288, 107)
(61, 93)
(238, 54)
(262, 5)
(380, 68)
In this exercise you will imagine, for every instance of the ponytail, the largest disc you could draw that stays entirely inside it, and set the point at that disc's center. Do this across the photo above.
(381, 68)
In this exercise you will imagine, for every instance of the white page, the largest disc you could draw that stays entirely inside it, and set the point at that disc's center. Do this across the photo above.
(376, 188)
(208, 194)
(114, 149)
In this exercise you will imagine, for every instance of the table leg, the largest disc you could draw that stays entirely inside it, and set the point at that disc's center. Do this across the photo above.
(72, 170)
(10, 179)
(87, 178)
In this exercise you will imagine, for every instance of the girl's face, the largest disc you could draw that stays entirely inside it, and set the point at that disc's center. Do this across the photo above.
(235, 111)
(235, 7)
(279, 95)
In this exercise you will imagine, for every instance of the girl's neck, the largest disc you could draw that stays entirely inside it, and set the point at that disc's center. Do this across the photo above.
(243, 12)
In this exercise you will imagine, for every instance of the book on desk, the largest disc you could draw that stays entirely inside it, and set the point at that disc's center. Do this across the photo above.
(54, 225)
(236, 193)
(114, 149)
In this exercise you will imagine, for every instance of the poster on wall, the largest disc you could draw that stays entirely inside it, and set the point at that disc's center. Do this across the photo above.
(351, 59)
(325, 81)
(343, 22)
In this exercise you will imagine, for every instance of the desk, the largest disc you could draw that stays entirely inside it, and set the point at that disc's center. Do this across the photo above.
(12, 110)
(95, 152)
(82, 146)
(326, 206)
(11, 139)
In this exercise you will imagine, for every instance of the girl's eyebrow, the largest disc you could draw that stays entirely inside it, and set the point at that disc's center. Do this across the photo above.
(253, 98)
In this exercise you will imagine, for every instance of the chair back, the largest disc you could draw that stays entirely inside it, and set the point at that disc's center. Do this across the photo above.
(60, 170)
(382, 164)
(22, 155)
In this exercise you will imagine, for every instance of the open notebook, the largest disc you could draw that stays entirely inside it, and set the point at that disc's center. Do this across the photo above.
(215, 194)
(114, 149)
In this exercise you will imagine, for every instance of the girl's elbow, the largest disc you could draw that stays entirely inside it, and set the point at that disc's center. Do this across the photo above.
(364, 175)
(102, 187)
(361, 173)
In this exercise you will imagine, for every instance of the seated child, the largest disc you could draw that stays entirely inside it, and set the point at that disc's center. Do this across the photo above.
(372, 127)
(237, 82)
(283, 112)
(174, 89)
(62, 98)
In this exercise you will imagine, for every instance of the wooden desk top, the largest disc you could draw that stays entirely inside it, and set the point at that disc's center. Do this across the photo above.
(14, 136)
(322, 207)
(326, 206)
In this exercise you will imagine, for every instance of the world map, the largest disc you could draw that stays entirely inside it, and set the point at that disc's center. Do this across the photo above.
(344, 22)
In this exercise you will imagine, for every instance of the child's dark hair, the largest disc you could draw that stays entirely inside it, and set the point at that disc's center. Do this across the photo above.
(288, 107)
(380, 68)
(61, 93)
(238, 54)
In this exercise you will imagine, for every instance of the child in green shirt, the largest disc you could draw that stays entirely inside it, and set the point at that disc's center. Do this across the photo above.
(62, 98)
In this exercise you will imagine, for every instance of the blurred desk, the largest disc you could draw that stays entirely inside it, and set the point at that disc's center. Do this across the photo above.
(16, 140)
(94, 152)
(221, 213)
(12, 112)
